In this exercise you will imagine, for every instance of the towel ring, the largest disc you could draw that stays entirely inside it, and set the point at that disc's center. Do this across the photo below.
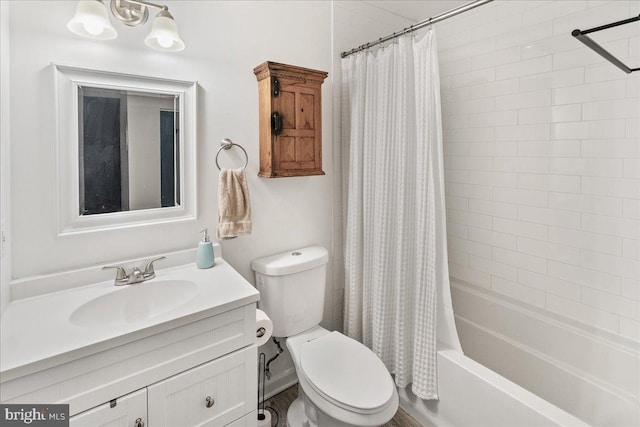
(226, 144)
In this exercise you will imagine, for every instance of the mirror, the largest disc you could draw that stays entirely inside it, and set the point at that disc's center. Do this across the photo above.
(129, 153)
(126, 150)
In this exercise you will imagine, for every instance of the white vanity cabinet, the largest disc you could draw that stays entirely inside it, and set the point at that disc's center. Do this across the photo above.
(159, 371)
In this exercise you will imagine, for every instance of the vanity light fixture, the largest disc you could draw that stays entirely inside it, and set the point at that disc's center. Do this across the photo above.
(92, 21)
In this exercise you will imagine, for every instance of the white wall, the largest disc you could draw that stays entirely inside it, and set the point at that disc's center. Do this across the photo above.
(5, 159)
(225, 40)
(541, 158)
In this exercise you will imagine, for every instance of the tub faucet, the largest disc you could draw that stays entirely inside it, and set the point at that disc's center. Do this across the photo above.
(136, 276)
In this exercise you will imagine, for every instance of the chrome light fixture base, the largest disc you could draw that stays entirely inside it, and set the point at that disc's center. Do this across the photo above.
(130, 13)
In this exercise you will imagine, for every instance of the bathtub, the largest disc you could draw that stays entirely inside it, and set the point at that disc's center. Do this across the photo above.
(473, 395)
(572, 377)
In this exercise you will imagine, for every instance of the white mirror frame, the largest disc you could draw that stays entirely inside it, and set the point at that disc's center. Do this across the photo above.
(67, 81)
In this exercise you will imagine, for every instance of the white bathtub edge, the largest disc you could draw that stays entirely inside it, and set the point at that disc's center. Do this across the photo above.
(520, 402)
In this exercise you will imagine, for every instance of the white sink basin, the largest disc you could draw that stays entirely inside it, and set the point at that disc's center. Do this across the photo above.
(133, 303)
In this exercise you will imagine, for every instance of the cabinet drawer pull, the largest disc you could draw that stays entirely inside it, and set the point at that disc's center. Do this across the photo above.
(209, 401)
(138, 423)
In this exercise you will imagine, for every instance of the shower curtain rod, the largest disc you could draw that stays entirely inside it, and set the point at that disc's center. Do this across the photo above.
(588, 41)
(421, 24)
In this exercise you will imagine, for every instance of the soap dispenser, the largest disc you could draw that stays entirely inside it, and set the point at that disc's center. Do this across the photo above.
(205, 257)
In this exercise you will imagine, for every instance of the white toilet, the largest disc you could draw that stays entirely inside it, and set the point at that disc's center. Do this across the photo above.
(342, 383)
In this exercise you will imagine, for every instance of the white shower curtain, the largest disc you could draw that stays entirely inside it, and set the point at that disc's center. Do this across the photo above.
(397, 279)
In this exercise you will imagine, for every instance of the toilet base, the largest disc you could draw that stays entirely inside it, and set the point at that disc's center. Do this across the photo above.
(296, 416)
(302, 413)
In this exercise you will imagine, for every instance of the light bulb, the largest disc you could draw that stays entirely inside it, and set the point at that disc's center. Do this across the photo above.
(164, 34)
(92, 27)
(92, 21)
(165, 42)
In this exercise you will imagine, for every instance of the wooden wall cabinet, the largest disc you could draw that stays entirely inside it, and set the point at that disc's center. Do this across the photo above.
(290, 120)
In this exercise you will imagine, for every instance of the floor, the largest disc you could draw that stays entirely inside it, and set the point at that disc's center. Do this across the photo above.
(280, 402)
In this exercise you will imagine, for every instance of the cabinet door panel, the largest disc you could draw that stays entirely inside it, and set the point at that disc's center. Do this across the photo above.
(230, 382)
(285, 104)
(305, 150)
(306, 113)
(286, 146)
(301, 154)
(127, 410)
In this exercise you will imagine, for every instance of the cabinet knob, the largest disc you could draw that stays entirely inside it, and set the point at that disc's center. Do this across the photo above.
(138, 423)
(209, 402)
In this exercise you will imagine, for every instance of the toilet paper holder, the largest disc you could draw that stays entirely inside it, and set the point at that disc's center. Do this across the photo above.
(264, 327)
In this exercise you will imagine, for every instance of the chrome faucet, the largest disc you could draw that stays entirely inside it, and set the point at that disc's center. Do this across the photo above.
(136, 276)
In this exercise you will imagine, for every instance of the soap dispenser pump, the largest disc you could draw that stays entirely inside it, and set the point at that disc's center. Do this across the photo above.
(205, 257)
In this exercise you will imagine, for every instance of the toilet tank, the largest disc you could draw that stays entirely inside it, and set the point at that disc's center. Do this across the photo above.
(291, 286)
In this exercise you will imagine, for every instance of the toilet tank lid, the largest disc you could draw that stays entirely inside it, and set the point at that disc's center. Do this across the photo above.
(291, 262)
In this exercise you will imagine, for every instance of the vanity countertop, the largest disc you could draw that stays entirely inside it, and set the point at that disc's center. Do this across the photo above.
(38, 333)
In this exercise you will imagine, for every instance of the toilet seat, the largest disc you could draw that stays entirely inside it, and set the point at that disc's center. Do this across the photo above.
(342, 413)
(346, 373)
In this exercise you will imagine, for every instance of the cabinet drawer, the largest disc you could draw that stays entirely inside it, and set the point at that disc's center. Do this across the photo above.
(247, 421)
(124, 414)
(229, 382)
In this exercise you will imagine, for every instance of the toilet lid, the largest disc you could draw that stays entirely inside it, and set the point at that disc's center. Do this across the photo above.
(346, 372)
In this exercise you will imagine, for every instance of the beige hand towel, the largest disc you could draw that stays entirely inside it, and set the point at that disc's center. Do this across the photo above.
(234, 209)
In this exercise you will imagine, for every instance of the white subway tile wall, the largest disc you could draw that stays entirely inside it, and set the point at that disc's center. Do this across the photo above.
(542, 157)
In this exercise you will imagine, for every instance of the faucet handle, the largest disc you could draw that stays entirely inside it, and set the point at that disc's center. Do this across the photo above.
(149, 272)
(121, 275)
